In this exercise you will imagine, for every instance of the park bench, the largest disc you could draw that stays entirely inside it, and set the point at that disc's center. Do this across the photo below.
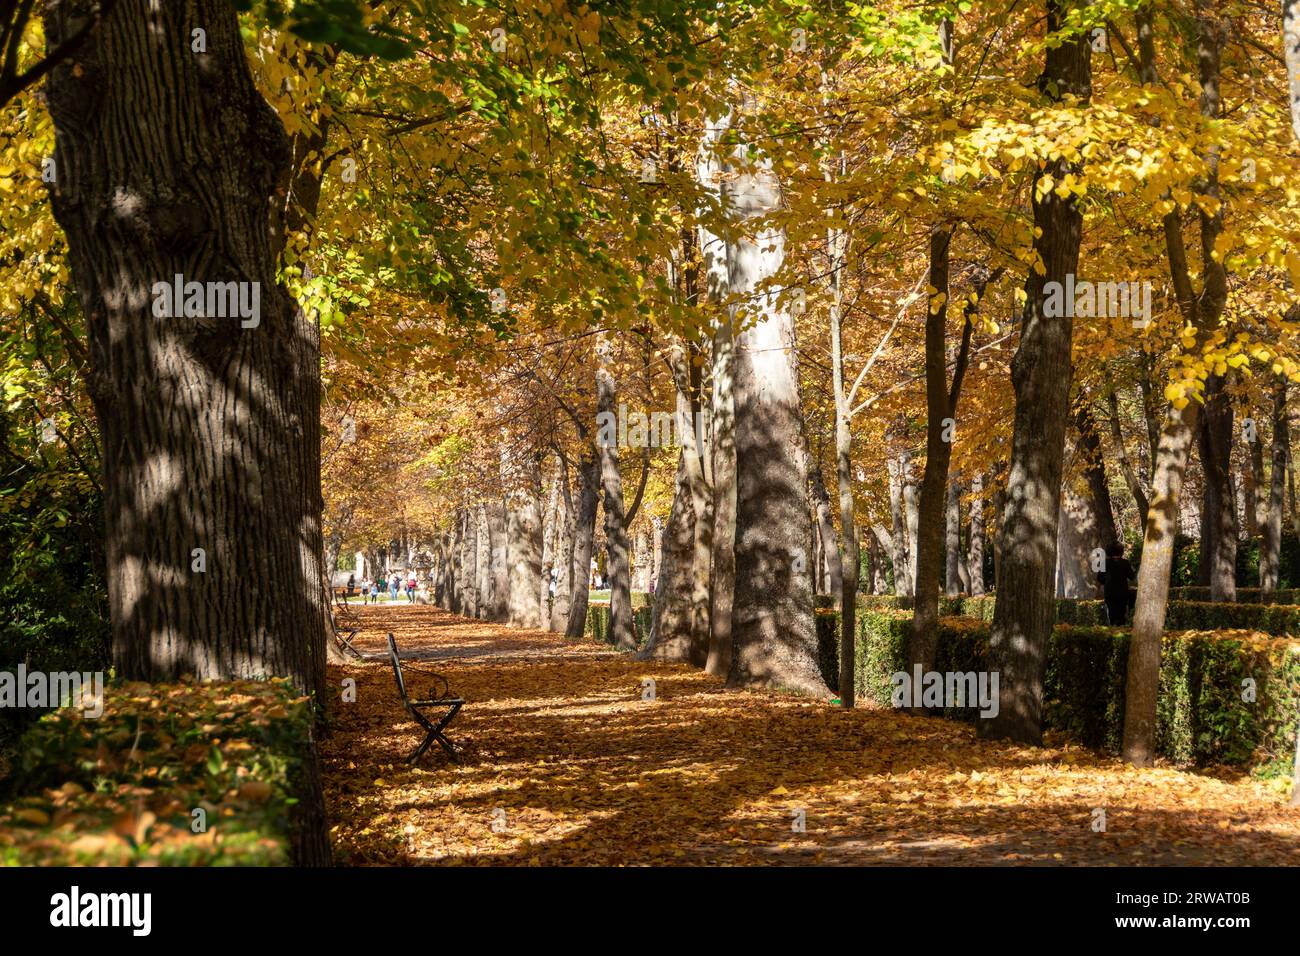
(347, 625)
(442, 702)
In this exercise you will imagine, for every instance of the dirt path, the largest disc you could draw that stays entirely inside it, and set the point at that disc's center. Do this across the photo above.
(565, 763)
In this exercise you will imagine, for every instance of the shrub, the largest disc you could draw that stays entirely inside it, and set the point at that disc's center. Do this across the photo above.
(1201, 716)
(598, 622)
(121, 789)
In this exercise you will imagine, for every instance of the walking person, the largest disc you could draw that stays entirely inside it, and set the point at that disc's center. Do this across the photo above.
(410, 589)
(1114, 581)
(394, 585)
(374, 591)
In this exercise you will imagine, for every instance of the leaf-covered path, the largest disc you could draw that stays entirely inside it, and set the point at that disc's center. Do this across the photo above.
(565, 763)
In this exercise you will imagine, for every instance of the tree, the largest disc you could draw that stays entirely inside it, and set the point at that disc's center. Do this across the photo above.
(1041, 373)
(210, 422)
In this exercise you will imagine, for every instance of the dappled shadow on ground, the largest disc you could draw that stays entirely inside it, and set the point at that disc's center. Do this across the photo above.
(566, 763)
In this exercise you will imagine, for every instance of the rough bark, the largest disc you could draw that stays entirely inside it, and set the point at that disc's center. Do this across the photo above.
(499, 610)
(952, 540)
(975, 560)
(583, 541)
(1202, 310)
(670, 627)
(622, 634)
(774, 638)
(171, 163)
(1270, 550)
(524, 543)
(1041, 371)
(1214, 442)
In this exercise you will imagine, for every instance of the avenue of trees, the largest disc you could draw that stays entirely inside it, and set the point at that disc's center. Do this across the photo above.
(746, 302)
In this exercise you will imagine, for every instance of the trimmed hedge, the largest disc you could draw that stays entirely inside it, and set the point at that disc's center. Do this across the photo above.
(120, 790)
(1278, 620)
(1244, 595)
(598, 622)
(1201, 717)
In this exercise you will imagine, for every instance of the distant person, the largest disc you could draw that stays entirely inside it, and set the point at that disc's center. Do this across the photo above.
(374, 591)
(410, 589)
(1114, 581)
(394, 585)
(352, 584)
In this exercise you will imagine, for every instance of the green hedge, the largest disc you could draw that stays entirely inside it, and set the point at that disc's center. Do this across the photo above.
(121, 789)
(1202, 718)
(598, 622)
(1244, 595)
(1278, 620)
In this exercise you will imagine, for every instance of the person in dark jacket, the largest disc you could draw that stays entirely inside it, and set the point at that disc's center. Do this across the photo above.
(1114, 581)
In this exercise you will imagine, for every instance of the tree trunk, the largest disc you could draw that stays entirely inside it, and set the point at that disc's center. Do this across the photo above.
(1094, 472)
(169, 164)
(622, 634)
(1201, 309)
(1220, 514)
(952, 540)
(583, 542)
(898, 533)
(975, 560)
(723, 557)
(564, 528)
(496, 524)
(483, 562)
(1040, 373)
(670, 628)
(774, 637)
(524, 537)
(1270, 551)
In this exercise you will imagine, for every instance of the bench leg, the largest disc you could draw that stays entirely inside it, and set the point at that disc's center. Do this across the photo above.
(435, 733)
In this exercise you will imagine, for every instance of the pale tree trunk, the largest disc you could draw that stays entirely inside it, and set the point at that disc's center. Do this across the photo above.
(826, 539)
(524, 537)
(912, 516)
(641, 559)
(723, 558)
(898, 533)
(483, 562)
(469, 558)
(621, 631)
(774, 638)
(975, 561)
(952, 540)
(670, 628)
(1270, 552)
(564, 528)
(460, 593)
(171, 163)
(1202, 310)
(1077, 537)
(550, 524)
(500, 560)
(583, 541)
(844, 479)
(1025, 611)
